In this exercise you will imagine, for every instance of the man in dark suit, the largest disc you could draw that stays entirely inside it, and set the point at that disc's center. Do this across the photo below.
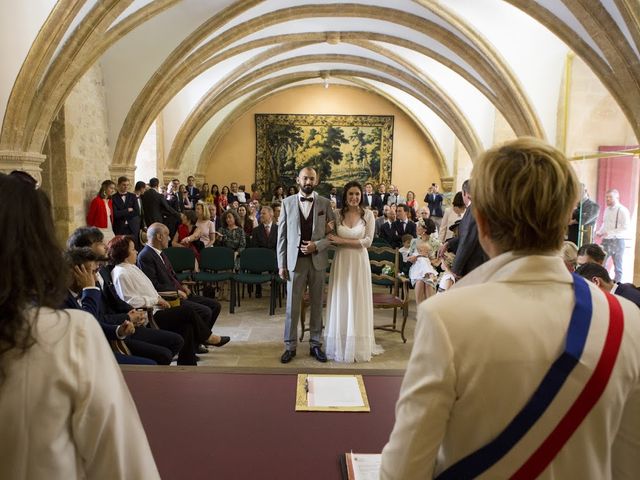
(370, 199)
(84, 295)
(139, 190)
(384, 197)
(403, 225)
(156, 208)
(466, 246)
(159, 345)
(584, 216)
(155, 264)
(388, 231)
(192, 190)
(434, 200)
(232, 196)
(598, 274)
(265, 235)
(126, 213)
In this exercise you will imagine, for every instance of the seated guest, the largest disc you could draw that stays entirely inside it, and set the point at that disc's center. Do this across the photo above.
(135, 288)
(404, 224)
(155, 265)
(569, 254)
(388, 232)
(188, 234)
(245, 222)
(185, 200)
(276, 211)
(231, 234)
(158, 345)
(521, 368)
(591, 253)
(65, 409)
(265, 235)
(278, 194)
(598, 274)
(84, 295)
(381, 219)
(205, 224)
(222, 200)
(253, 213)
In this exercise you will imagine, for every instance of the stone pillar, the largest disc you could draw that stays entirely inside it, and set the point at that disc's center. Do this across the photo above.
(123, 171)
(447, 184)
(199, 179)
(169, 174)
(29, 162)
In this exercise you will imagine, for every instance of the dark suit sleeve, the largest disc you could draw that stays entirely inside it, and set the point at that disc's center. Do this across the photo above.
(149, 265)
(467, 247)
(167, 208)
(90, 302)
(119, 208)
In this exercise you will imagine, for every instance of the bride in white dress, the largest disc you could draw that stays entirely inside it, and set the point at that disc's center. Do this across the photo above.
(349, 322)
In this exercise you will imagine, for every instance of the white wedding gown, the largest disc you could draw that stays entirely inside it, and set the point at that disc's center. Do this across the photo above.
(349, 315)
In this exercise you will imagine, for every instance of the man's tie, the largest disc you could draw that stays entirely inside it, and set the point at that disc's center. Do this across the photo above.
(306, 199)
(267, 230)
(172, 273)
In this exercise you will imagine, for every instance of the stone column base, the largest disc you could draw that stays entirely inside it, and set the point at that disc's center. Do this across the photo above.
(169, 174)
(122, 171)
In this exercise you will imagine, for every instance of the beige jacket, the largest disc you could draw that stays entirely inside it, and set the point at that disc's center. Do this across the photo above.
(65, 410)
(479, 352)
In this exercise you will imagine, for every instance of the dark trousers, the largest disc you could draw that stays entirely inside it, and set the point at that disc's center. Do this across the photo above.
(207, 310)
(615, 250)
(183, 321)
(158, 345)
(132, 360)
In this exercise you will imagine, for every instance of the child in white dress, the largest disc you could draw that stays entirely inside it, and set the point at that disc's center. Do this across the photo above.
(422, 274)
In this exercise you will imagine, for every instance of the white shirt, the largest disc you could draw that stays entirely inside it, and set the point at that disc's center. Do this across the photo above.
(65, 410)
(133, 286)
(306, 206)
(615, 222)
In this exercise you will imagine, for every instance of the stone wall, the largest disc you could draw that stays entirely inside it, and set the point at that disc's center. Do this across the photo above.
(87, 150)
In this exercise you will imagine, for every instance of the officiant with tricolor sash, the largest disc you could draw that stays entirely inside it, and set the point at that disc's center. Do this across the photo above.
(521, 370)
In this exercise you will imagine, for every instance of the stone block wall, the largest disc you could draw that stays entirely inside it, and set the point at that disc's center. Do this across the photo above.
(87, 148)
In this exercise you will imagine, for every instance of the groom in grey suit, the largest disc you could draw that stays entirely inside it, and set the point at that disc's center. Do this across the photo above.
(302, 259)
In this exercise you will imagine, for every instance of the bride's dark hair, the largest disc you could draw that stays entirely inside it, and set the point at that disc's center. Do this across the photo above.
(345, 189)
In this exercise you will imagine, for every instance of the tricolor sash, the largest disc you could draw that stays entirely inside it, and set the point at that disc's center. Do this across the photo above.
(484, 458)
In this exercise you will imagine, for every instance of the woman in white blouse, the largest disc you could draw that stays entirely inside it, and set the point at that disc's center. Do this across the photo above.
(135, 288)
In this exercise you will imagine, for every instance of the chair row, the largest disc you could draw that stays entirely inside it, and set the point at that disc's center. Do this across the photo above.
(255, 266)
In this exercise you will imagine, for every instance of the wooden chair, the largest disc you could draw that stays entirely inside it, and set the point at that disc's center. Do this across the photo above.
(398, 298)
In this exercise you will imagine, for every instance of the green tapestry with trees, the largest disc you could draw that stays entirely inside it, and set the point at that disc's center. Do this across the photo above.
(340, 147)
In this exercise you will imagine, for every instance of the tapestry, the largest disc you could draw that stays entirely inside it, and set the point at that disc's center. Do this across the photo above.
(341, 148)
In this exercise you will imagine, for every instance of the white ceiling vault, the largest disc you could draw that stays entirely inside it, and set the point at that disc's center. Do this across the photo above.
(449, 64)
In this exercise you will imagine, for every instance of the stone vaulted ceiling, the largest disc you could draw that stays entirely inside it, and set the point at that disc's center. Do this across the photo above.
(449, 64)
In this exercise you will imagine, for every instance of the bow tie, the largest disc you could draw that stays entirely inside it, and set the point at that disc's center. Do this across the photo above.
(306, 199)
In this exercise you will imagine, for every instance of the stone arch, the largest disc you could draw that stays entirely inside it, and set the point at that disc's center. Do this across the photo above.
(437, 100)
(264, 93)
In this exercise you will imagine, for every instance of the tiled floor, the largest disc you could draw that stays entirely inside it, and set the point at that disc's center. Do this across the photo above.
(256, 340)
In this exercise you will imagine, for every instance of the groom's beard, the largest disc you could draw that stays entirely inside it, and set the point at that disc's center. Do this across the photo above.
(307, 189)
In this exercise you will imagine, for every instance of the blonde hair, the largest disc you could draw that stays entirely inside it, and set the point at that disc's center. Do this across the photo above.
(569, 253)
(526, 190)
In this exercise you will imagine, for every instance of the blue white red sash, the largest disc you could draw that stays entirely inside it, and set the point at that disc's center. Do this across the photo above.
(479, 461)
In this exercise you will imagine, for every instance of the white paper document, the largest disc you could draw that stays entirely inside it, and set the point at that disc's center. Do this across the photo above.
(328, 391)
(366, 466)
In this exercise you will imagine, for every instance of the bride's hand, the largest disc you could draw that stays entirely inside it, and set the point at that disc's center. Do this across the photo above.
(334, 239)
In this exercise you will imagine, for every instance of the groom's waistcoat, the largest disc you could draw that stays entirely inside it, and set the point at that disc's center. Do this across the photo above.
(306, 228)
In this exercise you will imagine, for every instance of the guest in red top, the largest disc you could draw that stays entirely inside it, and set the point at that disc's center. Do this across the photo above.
(222, 201)
(101, 210)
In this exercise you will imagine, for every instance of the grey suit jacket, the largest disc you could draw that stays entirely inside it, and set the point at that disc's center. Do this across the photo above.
(289, 232)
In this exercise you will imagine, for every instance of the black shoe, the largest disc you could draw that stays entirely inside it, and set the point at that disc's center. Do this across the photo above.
(202, 349)
(197, 358)
(287, 356)
(318, 354)
(223, 341)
